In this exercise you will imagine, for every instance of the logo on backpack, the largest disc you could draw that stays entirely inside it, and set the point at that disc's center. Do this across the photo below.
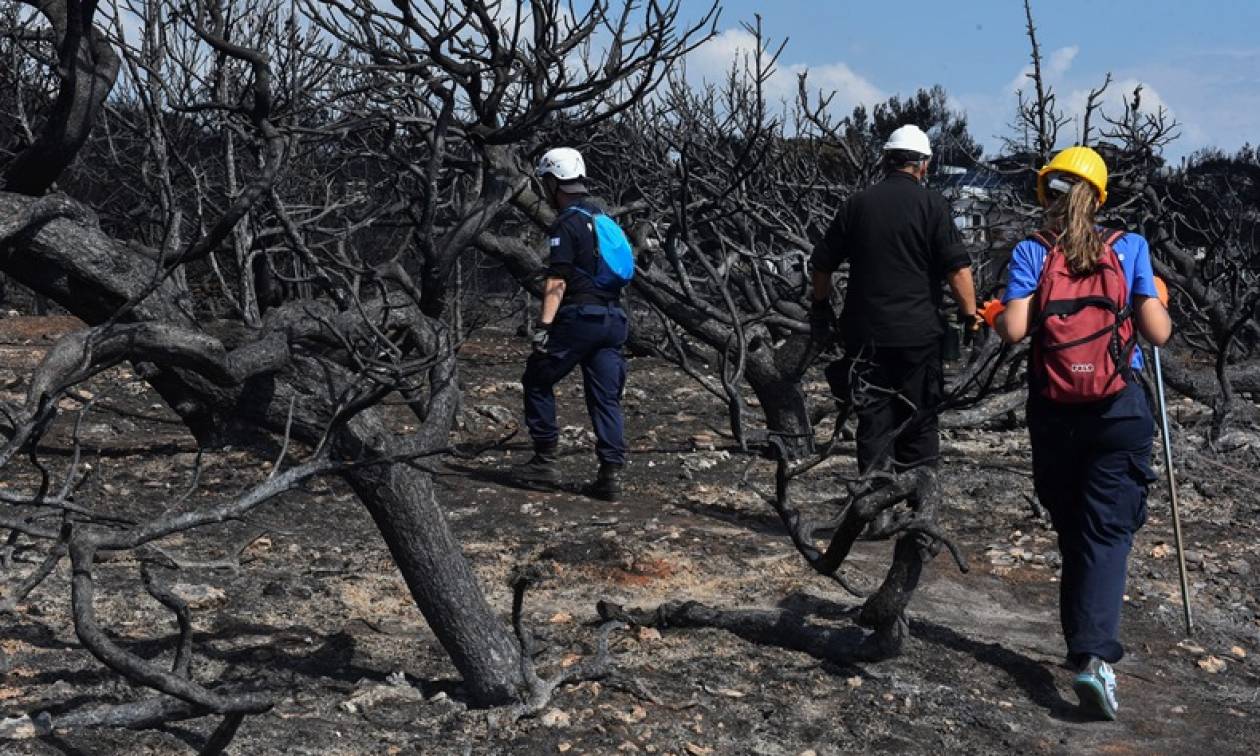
(613, 254)
(1083, 336)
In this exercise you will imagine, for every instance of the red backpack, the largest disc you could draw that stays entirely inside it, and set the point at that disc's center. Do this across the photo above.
(1082, 330)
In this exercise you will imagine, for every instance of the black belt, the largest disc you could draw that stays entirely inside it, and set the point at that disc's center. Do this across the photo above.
(610, 304)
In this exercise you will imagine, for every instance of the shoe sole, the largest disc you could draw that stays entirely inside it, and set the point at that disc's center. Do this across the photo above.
(1094, 699)
(538, 484)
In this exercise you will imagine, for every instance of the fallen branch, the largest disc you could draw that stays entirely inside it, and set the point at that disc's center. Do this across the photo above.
(167, 598)
(153, 712)
(988, 409)
(540, 691)
(783, 628)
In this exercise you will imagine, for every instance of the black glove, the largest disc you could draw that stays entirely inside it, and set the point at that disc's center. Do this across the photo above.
(820, 319)
(542, 332)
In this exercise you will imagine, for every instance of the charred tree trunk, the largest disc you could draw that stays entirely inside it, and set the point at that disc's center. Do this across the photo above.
(775, 377)
(787, 415)
(401, 501)
(400, 497)
(885, 611)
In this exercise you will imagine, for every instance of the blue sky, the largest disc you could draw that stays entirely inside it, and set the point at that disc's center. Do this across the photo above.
(1201, 60)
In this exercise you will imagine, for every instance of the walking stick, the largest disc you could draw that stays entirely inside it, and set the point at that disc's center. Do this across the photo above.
(1172, 494)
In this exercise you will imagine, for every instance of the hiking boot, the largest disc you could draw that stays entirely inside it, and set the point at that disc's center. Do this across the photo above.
(607, 483)
(541, 468)
(1095, 686)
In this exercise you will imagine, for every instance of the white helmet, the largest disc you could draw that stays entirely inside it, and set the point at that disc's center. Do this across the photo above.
(911, 139)
(565, 163)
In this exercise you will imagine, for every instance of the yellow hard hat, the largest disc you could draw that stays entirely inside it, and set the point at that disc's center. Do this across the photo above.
(1083, 162)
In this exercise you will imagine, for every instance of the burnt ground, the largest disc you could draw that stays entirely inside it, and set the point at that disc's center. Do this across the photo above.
(314, 611)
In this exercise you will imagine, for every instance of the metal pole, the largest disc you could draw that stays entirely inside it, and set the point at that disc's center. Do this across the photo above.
(1172, 494)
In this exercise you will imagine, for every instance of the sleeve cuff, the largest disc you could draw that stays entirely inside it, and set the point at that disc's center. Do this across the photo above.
(559, 270)
(956, 258)
(1012, 294)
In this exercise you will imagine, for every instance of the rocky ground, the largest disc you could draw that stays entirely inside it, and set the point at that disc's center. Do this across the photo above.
(301, 599)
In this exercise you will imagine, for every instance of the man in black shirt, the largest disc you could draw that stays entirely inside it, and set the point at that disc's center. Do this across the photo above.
(580, 323)
(900, 242)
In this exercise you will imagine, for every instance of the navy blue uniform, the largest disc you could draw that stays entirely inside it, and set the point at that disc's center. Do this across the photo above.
(589, 330)
(1092, 469)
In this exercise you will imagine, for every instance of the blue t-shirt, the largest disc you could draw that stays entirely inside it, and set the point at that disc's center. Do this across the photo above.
(1029, 257)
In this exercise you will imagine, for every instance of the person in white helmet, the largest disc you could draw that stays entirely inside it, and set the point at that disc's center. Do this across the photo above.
(900, 242)
(581, 322)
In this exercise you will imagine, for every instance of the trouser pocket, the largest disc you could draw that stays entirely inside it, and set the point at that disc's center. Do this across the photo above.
(1143, 476)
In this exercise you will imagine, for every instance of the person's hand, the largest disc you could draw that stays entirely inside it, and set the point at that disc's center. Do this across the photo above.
(990, 311)
(970, 321)
(820, 317)
(1161, 291)
(542, 332)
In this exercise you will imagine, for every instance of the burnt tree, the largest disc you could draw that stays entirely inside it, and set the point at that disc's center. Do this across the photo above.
(344, 153)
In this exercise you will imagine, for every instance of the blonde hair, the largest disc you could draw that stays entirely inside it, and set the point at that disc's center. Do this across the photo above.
(1072, 214)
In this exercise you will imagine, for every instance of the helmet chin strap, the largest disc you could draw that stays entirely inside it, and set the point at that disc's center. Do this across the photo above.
(550, 189)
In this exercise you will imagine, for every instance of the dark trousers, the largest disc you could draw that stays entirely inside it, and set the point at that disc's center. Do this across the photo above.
(590, 336)
(895, 392)
(1091, 469)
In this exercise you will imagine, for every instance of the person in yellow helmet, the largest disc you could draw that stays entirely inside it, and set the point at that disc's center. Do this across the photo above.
(1081, 292)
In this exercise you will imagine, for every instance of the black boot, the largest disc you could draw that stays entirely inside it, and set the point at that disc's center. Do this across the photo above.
(607, 483)
(541, 468)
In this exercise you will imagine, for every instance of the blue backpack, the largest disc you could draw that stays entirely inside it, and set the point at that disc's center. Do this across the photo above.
(614, 257)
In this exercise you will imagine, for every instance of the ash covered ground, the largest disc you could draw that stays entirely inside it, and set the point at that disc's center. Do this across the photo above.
(301, 598)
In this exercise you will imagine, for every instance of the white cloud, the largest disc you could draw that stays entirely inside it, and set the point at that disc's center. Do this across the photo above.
(1112, 102)
(1214, 94)
(850, 87)
(715, 57)
(1053, 69)
(1061, 61)
(990, 114)
(712, 62)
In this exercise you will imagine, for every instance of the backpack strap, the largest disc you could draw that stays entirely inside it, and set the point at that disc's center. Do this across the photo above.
(610, 297)
(1048, 238)
(1070, 306)
(1112, 236)
(589, 214)
(1121, 351)
(577, 209)
(1045, 237)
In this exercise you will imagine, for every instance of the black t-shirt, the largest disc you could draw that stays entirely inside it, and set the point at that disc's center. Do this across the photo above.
(900, 240)
(573, 256)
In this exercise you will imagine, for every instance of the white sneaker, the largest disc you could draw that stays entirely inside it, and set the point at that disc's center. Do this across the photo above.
(1095, 686)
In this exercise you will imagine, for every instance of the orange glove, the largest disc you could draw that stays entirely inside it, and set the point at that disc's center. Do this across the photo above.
(991, 310)
(1161, 291)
